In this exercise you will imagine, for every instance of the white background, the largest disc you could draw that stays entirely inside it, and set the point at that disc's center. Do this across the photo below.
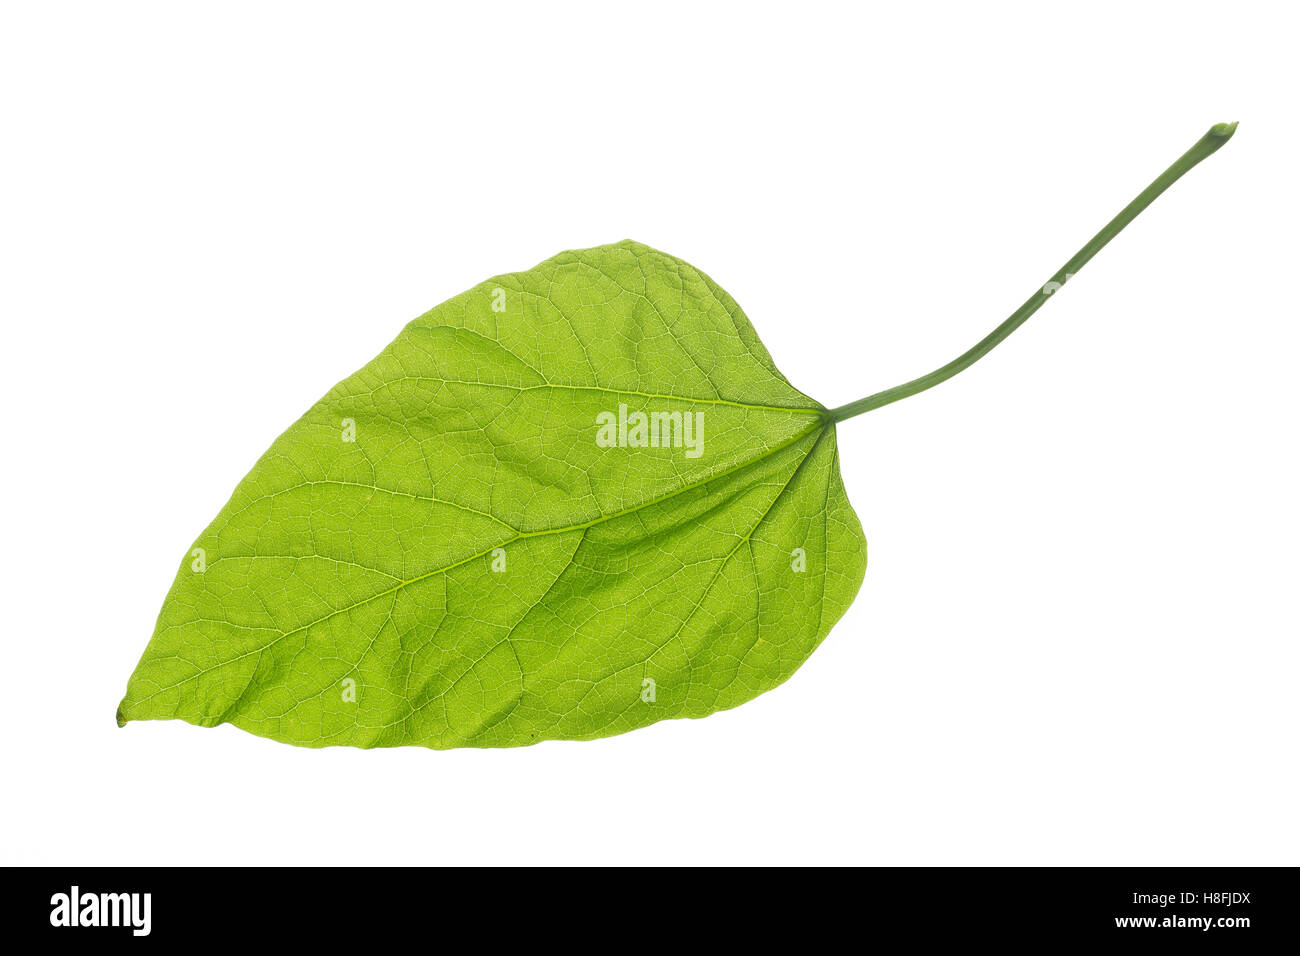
(1076, 642)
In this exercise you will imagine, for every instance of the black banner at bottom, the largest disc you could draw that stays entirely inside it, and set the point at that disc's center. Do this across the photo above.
(643, 908)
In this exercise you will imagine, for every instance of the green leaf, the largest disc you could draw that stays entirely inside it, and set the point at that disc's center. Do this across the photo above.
(441, 552)
(480, 539)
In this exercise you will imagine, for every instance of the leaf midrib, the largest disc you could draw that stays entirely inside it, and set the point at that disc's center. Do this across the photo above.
(821, 424)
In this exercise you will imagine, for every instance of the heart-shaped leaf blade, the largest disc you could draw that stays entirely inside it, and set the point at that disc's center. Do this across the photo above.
(567, 503)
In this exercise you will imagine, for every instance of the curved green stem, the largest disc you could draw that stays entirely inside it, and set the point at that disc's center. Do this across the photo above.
(1207, 144)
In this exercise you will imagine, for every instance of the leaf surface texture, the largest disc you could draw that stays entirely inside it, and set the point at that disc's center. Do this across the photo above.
(471, 568)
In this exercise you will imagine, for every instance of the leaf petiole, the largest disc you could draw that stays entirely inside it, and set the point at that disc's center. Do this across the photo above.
(1206, 145)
